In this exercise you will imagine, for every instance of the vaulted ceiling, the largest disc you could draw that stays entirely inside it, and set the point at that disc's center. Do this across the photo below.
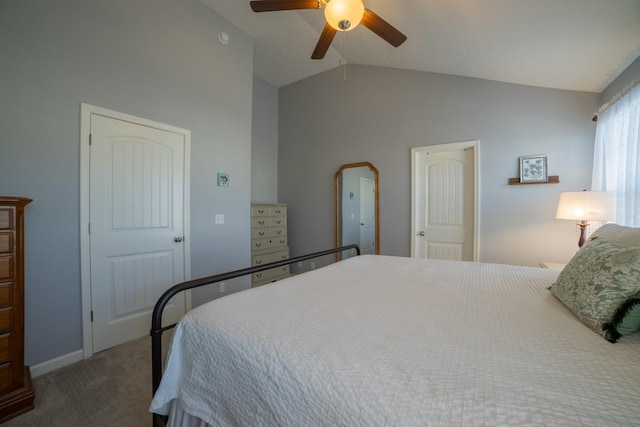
(565, 44)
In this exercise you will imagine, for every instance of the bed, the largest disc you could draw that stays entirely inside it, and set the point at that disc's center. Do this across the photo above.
(380, 340)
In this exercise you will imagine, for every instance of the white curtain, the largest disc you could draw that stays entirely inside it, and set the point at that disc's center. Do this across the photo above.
(616, 159)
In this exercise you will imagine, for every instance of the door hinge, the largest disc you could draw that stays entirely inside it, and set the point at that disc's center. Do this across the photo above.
(89, 228)
(90, 139)
(92, 315)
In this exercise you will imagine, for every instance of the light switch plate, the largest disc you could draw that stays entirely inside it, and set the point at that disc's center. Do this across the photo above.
(219, 219)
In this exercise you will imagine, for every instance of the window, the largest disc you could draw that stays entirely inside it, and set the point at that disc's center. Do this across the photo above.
(616, 158)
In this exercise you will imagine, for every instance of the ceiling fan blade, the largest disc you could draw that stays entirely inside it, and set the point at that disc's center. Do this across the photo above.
(382, 28)
(275, 5)
(324, 42)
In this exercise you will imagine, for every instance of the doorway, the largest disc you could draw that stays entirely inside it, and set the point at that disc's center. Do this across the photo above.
(444, 199)
(134, 224)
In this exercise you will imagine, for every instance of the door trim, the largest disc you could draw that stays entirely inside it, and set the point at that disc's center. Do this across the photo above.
(454, 146)
(86, 111)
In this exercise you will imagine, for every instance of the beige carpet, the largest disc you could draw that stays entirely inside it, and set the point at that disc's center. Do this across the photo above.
(112, 388)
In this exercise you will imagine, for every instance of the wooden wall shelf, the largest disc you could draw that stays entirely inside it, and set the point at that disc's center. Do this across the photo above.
(551, 179)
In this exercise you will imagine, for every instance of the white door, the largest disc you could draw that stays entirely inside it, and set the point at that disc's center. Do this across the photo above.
(136, 214)
(367, 216)
(444, 203)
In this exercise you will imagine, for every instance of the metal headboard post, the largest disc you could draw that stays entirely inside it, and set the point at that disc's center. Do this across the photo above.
(156, 318)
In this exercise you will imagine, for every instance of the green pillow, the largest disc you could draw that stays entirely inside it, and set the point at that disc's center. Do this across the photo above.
(626, 319)
(598, 285)
(619, 234)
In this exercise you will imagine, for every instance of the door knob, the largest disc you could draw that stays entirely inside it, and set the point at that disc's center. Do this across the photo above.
(178, 239)
(421, 234)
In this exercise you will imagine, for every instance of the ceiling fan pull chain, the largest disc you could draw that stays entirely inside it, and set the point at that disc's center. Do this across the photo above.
(344, 55)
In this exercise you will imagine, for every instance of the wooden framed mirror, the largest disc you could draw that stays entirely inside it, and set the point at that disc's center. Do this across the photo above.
(357, 208)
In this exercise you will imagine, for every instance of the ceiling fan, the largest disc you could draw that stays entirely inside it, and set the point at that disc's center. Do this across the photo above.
(341, 15)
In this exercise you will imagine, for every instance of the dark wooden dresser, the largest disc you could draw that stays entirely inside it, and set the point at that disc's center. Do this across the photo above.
(16, 389)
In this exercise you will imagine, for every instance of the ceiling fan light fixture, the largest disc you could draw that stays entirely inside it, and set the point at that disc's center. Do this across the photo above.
(344, 15)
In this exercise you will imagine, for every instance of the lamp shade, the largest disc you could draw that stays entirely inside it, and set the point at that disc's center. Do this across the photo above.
(344, 15)
(586, 206)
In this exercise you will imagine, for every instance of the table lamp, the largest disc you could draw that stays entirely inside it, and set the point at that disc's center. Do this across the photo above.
(585, 206)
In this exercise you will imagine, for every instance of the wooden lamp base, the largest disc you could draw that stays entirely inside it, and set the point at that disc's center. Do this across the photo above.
(583, 234)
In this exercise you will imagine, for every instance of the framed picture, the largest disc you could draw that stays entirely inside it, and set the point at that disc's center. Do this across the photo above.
(533, 169)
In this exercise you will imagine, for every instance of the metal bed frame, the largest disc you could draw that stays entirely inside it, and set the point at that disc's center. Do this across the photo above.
(156, 320)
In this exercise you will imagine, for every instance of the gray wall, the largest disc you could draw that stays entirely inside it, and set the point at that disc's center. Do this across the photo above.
(264, 143)
(160, 60)
(631, 73)
(378, 114)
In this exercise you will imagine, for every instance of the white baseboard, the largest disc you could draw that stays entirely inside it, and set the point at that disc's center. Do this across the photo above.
(57, 363)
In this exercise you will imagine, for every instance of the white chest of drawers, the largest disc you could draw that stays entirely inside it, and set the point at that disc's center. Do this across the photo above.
(268, 241)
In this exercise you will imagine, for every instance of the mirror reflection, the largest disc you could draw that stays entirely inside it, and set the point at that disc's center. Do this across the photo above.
(356, 207)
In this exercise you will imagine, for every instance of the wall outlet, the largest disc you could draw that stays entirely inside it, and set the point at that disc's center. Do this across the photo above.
(312, 265)
(221, 287)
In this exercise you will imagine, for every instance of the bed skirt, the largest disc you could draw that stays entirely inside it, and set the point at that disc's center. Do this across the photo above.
(179, 418)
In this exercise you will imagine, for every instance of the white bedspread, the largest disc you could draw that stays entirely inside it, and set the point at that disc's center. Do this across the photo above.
(390, 341)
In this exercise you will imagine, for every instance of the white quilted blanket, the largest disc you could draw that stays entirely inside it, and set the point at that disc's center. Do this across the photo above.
(390, 341)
